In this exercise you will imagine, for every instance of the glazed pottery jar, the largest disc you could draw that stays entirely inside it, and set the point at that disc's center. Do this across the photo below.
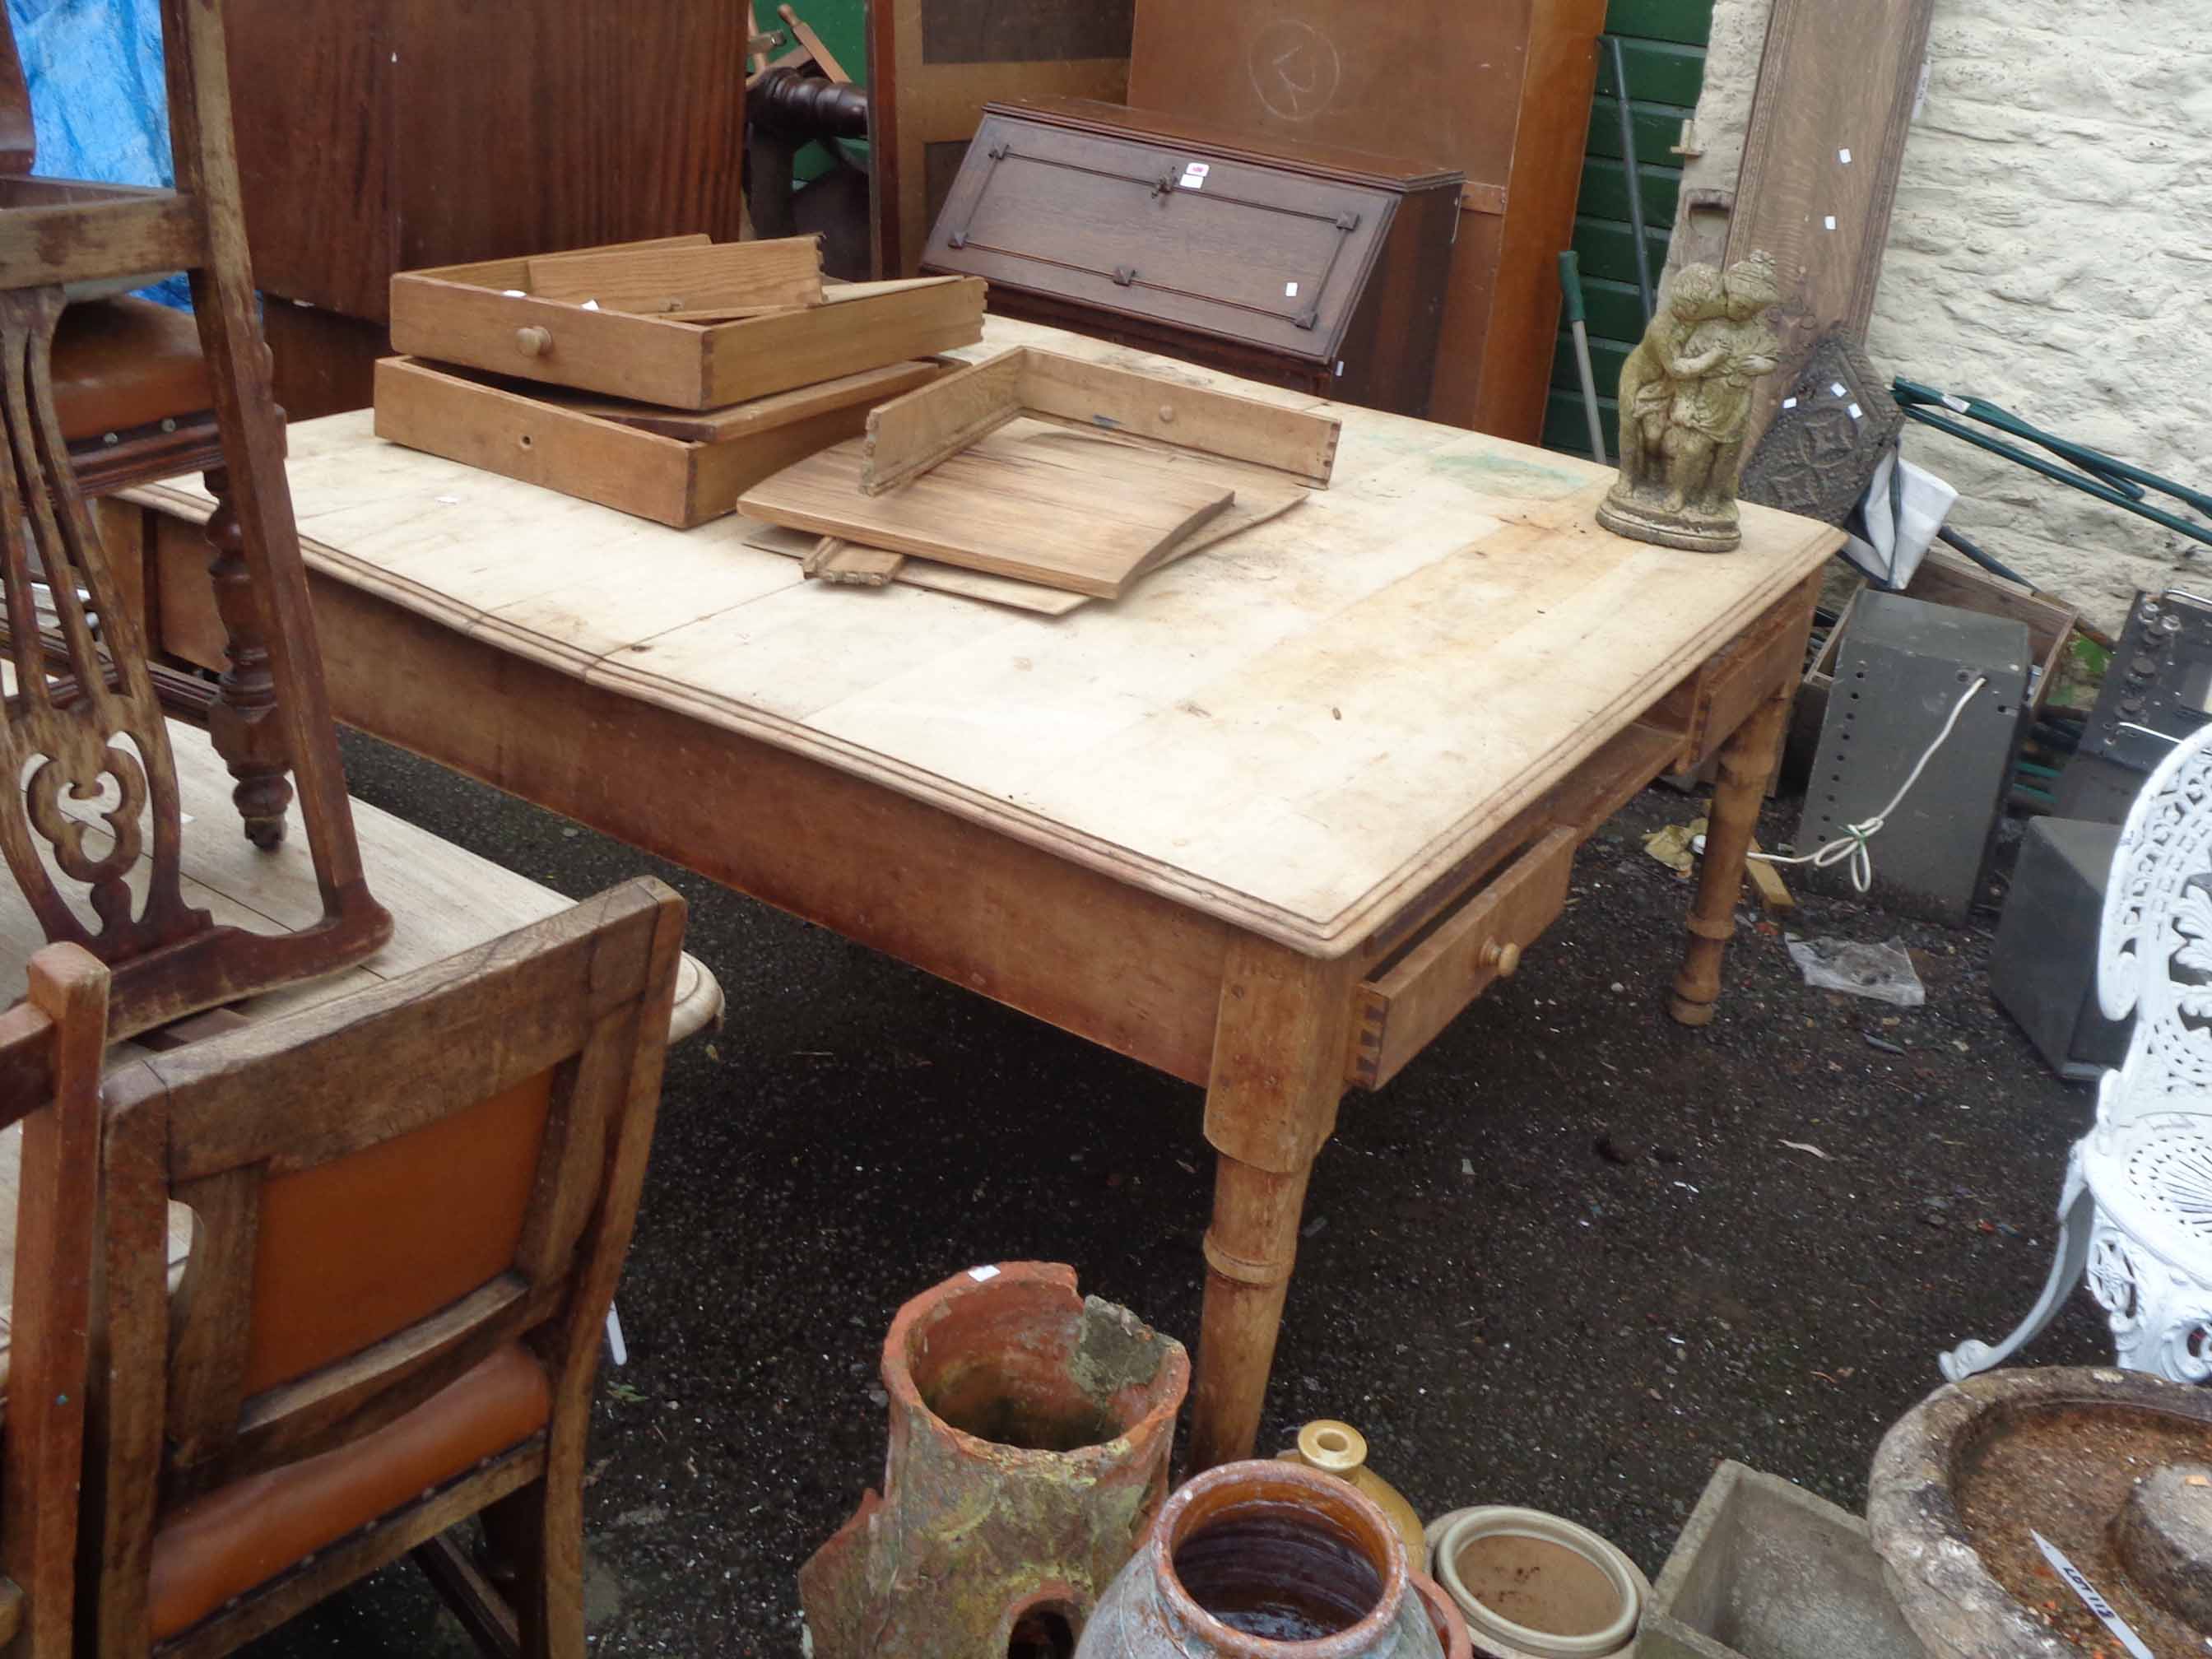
(1265, 1560)
(1533, 1586)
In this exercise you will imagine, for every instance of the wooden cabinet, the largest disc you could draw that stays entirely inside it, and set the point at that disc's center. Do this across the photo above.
(1499, 89)
(1319, 269)
(377, 136)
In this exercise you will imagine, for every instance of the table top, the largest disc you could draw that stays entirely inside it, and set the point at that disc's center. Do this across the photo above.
(1296, 731)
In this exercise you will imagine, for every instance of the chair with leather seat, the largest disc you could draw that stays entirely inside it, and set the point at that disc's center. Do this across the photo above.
(51, 1045)
(410, 1209)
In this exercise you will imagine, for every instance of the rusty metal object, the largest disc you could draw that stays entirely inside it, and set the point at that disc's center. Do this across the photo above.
(1269, 1560)
(1030, 1434)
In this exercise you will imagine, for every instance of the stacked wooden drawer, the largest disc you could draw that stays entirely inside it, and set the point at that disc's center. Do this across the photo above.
(662, 379)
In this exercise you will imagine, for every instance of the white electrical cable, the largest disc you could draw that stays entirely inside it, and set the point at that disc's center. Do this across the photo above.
(1853, 843)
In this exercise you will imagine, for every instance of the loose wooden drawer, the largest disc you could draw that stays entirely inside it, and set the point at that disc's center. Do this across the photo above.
(1395, 1015)
(537, 439)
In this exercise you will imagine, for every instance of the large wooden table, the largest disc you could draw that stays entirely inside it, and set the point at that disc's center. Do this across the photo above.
(1267, 824)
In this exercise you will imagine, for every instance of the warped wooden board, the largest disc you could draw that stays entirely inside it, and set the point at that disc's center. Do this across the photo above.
(1028, 500)
(1254, 505)
(1295, 735)
(787, 272)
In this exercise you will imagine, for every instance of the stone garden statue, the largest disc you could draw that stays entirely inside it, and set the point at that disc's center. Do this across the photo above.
(1685, 399)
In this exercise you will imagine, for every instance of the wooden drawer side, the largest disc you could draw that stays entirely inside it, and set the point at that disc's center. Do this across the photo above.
(1397, 1013)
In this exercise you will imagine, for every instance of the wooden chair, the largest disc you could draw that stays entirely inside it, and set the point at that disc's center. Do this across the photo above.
(412, 1207)
(51, 1050)
(84, 724)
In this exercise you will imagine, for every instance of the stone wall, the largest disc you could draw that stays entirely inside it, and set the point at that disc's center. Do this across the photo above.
(2051, 251)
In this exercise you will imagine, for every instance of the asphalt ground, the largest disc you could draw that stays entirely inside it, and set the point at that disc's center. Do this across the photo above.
(1565, 1260)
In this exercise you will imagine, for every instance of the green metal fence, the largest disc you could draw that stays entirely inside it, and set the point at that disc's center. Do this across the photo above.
(1663, 43)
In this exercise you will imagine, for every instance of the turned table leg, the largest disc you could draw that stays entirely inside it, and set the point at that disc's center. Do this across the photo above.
(244, 724)
(1278, 1073)
(1747, 760)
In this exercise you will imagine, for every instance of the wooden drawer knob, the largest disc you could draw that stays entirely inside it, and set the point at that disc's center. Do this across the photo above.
(1504, 958)
(533, 342)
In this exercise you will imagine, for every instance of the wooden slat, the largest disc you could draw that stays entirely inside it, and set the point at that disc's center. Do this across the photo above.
(840, 561)
(871, 387)
(1301, 441)
(844, 337)
(787, 272)
(908, 435)
(206, 1372)
(95, 241)
(518, 1023)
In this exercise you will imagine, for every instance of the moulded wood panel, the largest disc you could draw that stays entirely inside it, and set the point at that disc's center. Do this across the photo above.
(311, 99)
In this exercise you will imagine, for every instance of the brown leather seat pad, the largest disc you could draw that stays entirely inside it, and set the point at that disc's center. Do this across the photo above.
(126, 363)
(224, 1543)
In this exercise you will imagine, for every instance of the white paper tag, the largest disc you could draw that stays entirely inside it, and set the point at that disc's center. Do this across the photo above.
(1857, 412)
(1836, 388)
(1340, 368)
(591, 305)
(514, 293)
(982, 1275)
(1290, 291)
(1845, 157)
(1790, 403)
(2090, 1599)
(1200, 168)
(1194, 176)
(1832, 222)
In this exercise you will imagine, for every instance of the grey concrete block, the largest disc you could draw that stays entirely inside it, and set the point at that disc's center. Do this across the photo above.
(1766, 1570)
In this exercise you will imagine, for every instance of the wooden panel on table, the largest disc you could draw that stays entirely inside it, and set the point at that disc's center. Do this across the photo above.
(932, 64)
(1031, 501)
(1820, 161)
(1501, 92)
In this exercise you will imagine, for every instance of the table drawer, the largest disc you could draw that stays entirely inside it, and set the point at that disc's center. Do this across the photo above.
(1396, 1013)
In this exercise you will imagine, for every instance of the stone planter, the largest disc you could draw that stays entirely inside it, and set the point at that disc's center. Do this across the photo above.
(1030, 1434)
(2113, 1468)
(1533, 1586)
(1266, 1560)
(1766, 1570)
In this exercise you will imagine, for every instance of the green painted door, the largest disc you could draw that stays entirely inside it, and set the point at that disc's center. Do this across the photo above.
(1663, 42)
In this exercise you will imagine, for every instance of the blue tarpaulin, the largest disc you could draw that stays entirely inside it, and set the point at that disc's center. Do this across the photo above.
(98, 102)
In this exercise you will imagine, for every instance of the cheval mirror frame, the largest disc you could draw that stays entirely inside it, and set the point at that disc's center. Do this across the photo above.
(85, 722)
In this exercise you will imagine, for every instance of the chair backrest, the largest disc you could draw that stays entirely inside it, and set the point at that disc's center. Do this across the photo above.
(52, 1048)
(2155, 956)
(384, 1189)
(18, 147)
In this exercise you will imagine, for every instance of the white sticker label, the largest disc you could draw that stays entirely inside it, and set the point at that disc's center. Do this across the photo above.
(591, 305)
(2090, 1599)
(1290, 291)
(982, 1275)
(1845, 157)
(514, 293)
(1194, 176)
(1340, 368)
(1957, 405)
(1832, 222)
(1200, 168)
(1857, 412)
(1839, 389)
(1790, 403)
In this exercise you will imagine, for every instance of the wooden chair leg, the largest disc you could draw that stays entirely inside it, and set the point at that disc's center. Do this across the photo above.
(537, 1534)
(244, 724)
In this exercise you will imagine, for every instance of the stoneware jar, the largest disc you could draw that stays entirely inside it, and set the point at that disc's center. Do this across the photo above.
(1265, 1560)
(1340, 1450)
(1533, 1586)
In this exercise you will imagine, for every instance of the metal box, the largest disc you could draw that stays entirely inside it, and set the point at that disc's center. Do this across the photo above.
(1902, 667)
(2158, 691)
(2044, 970)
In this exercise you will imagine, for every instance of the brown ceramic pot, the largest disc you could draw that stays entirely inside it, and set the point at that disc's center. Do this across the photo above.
(1029, 1434)
(1266, 1560)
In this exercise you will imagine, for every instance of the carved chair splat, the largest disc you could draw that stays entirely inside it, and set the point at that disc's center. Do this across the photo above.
(93, 791)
